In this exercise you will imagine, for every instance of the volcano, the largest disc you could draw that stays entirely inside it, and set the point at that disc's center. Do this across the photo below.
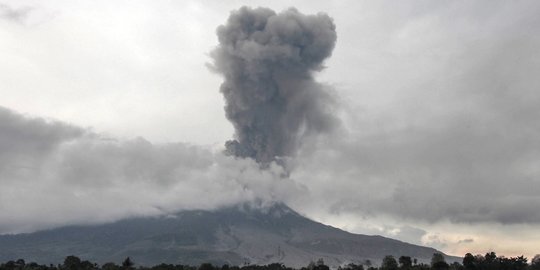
(235, 235)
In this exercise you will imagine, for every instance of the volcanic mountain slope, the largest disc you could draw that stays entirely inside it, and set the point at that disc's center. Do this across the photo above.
(235, 235)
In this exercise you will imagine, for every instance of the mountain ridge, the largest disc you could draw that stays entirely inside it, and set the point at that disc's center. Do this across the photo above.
(234, 235)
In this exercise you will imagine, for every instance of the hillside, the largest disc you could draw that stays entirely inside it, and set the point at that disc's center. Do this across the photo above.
(235, 235)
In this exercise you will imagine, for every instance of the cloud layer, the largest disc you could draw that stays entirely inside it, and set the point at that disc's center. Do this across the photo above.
(55, 174)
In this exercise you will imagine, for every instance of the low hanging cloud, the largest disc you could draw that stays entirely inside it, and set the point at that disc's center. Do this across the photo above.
(268, 60)
(54, 174)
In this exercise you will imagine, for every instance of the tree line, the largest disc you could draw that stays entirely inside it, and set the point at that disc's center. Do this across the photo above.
(490, 261)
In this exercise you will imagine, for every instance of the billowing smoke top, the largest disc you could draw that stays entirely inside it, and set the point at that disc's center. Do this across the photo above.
(271, 97)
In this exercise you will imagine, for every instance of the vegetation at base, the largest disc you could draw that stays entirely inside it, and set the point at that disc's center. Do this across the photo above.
(490, 261)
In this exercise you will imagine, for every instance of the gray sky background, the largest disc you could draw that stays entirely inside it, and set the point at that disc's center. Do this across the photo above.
(108, 110)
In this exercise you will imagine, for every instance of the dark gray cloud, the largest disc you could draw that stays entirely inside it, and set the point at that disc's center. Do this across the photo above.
(25, 141)
(462, 142)
(18, 15)
(25, 135)
(268, 60)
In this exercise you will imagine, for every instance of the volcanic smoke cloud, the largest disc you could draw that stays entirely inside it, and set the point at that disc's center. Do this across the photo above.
(271, 97)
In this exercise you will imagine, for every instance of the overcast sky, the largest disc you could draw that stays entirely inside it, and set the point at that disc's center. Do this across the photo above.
(109, 109)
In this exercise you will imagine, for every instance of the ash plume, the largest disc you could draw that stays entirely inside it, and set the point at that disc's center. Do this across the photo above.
(268, 60)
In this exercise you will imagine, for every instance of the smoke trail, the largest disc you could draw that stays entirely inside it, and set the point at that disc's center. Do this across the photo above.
(271, 97)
